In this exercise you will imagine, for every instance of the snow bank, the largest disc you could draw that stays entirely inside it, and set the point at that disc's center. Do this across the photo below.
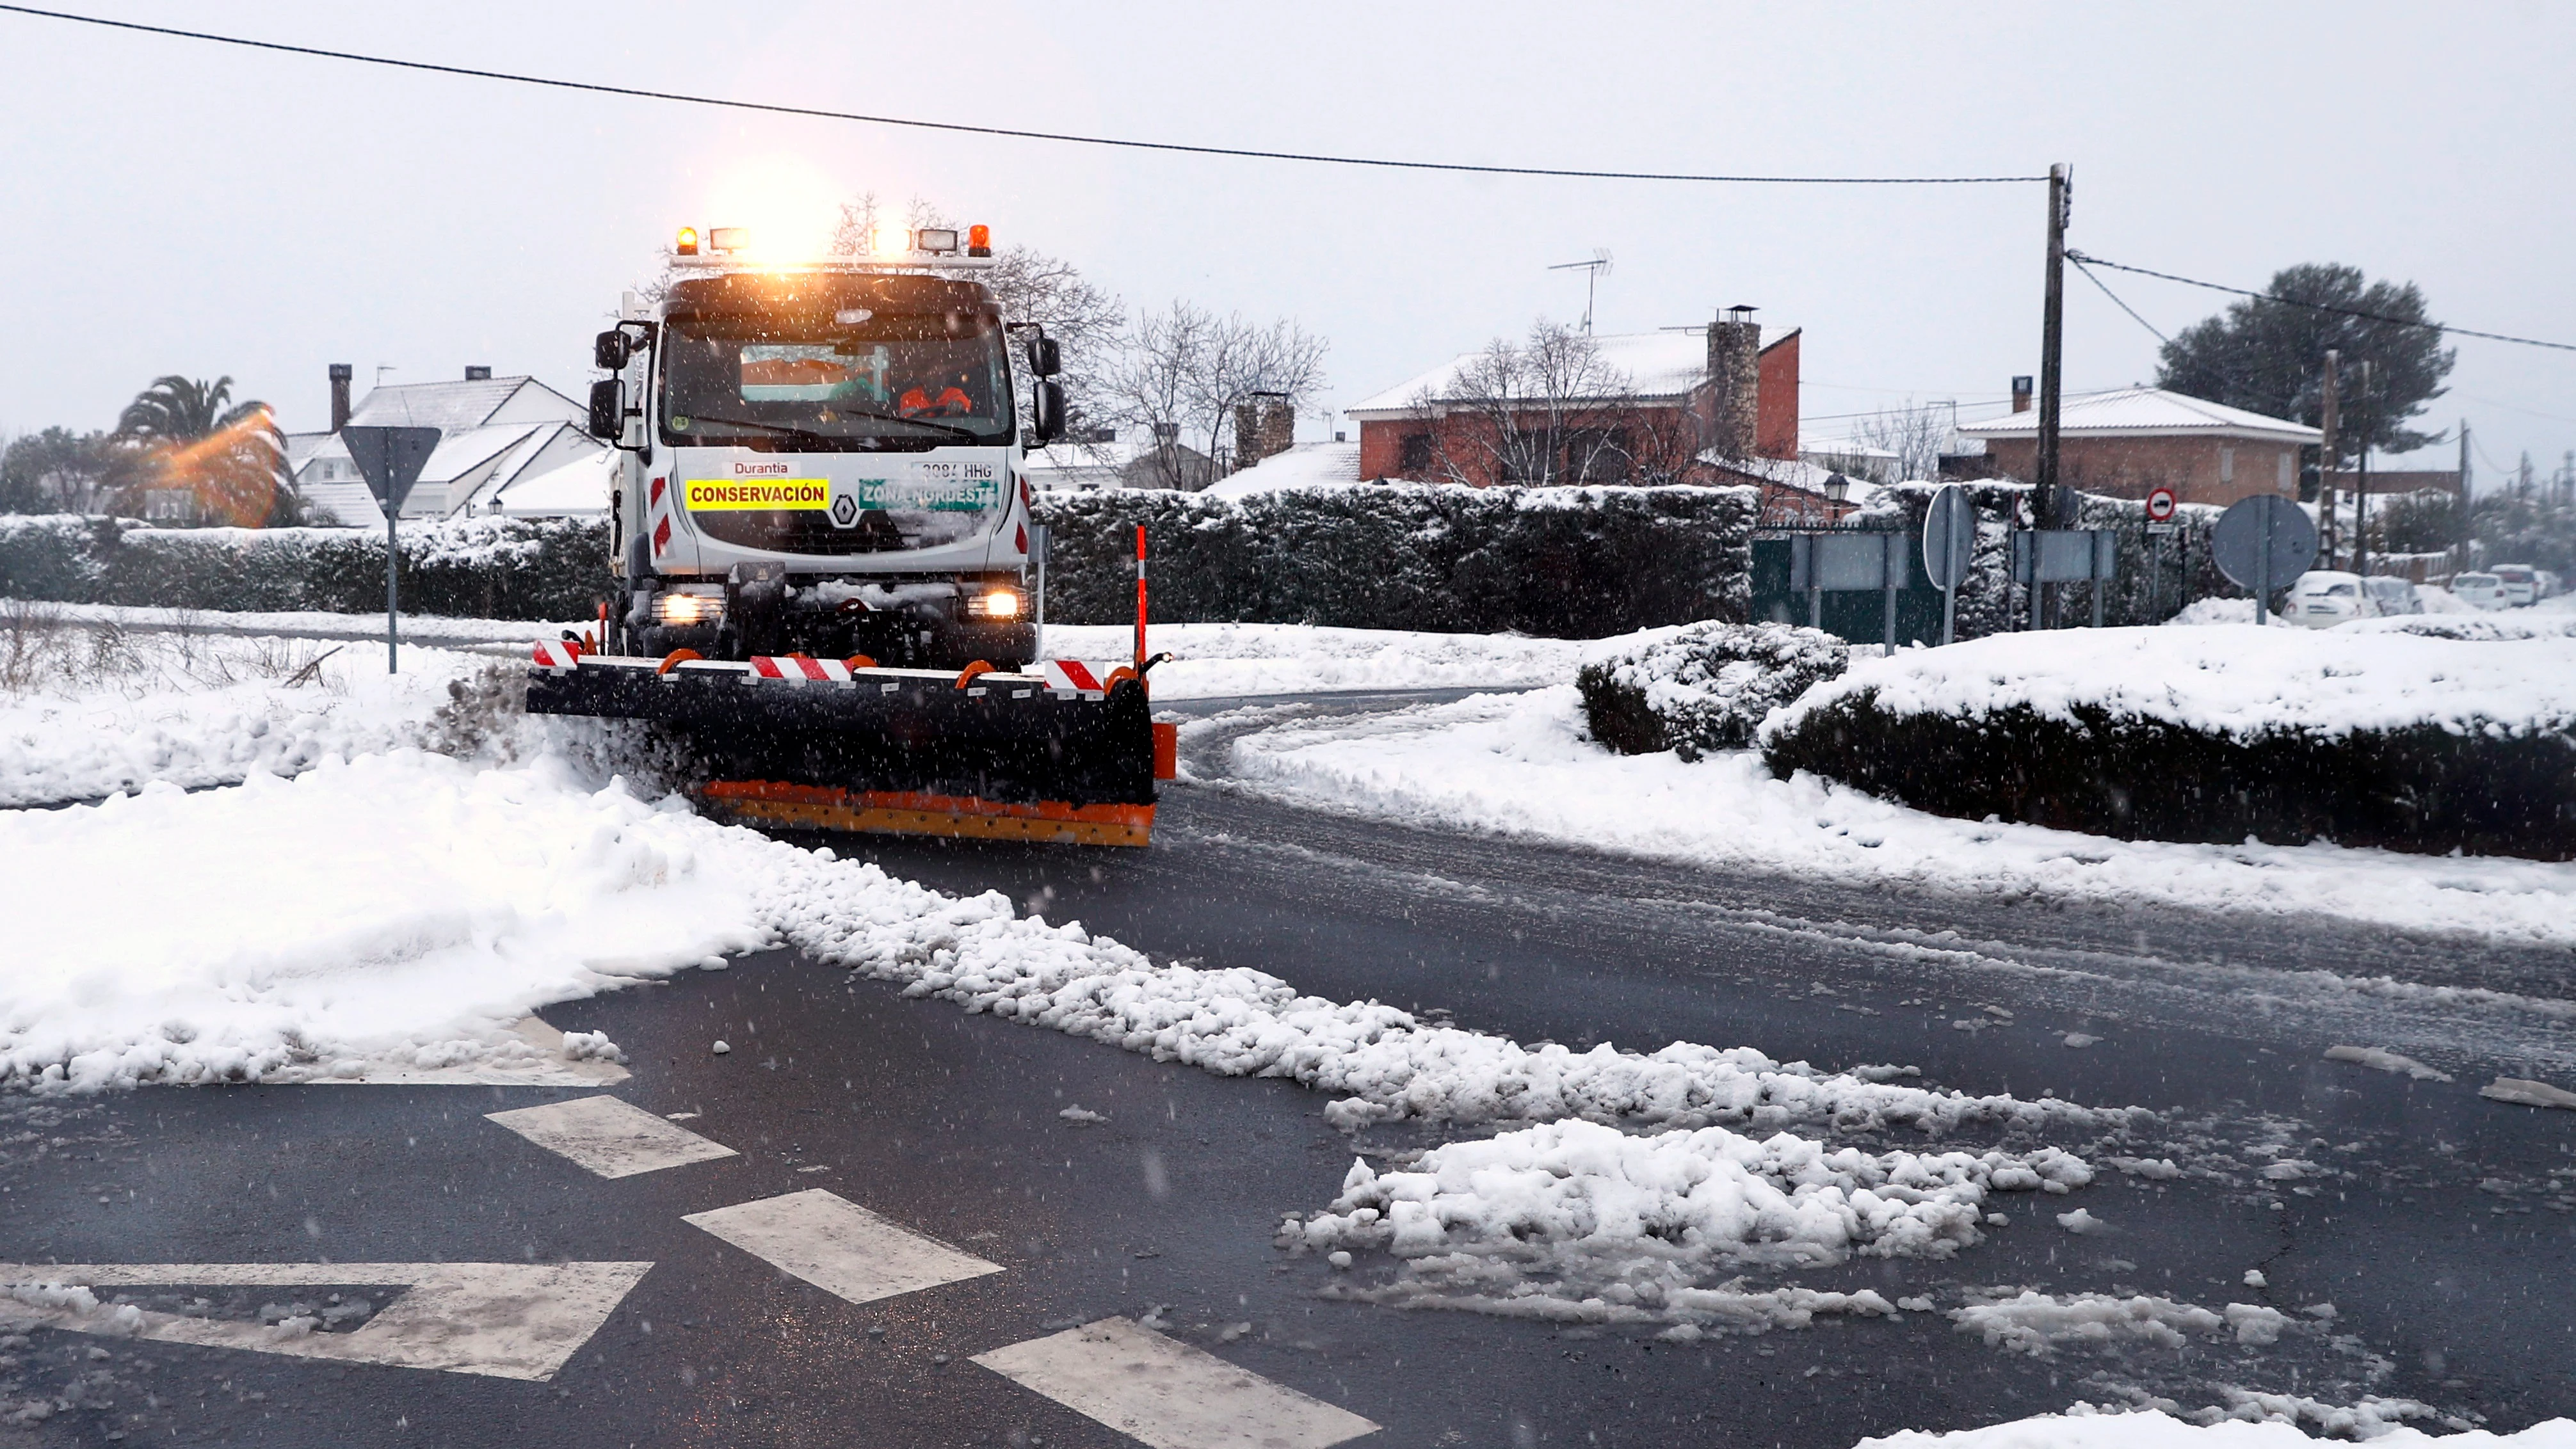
(398, 908)
(1224, 660)
(112, 712)
(1581, 1222)
(2238, 682)
(2085, 1427)
(1520, 765)
(2040, 1323)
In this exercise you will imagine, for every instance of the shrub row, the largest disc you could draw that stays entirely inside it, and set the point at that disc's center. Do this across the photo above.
(1704, 687)
(481, 568)
(2493, 791)
(1561, 562)
(1565, 562)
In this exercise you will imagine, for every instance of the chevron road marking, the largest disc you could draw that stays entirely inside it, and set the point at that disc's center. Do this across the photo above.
(611, 1137)
(1168, 1394)
(839, 1246)
(507, 1320)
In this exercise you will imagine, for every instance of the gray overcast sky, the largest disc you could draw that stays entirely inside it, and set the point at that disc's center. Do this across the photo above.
(173, 206)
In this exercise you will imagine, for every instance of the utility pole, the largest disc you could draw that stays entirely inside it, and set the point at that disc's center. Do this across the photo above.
(2052, 349)
(2327, 460)
(2361, 483)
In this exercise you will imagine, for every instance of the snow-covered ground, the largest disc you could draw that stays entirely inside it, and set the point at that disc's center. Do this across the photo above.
(1521, 765)
(1226, 660)
(89, 712)
(309, 624)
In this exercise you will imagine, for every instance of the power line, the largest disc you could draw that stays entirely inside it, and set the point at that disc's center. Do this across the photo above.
(2115, 298)
(1127, 143)
(2080, 259)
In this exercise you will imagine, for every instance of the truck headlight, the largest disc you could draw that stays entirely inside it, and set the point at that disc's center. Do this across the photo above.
(996, 604)
(684, 610)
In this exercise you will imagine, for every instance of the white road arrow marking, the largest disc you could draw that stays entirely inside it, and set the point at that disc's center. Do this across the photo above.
(610, 1137)
(508, 1320)
(839, 1246)
(1168, 1394)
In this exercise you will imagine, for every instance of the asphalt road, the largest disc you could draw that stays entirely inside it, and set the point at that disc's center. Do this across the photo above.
(2437, 1224)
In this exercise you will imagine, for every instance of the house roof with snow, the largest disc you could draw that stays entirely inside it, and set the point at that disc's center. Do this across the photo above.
(493, 432)
(579, 488)
(1657, 366)
(1304, 465)
(2147, 412)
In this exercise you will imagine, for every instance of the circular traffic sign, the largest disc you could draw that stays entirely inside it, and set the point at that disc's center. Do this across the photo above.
(2264, 542)
(2160, 505)
(1949, 536)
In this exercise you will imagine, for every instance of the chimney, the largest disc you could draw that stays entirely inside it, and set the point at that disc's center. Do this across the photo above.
(477, 374)
(2021, 393)
(341, 372)
(1264, 424)
(1735, 373)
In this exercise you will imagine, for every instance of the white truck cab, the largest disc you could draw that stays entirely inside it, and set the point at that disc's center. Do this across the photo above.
(825, 457)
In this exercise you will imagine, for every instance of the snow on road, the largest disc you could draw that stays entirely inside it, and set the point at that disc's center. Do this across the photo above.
(2086, 1427)
(1224, 660)
(1520, 765)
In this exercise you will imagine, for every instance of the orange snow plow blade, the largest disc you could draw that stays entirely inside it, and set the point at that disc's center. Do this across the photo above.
(907, 812)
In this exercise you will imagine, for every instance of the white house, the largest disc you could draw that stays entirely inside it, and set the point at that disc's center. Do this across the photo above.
(499, 438)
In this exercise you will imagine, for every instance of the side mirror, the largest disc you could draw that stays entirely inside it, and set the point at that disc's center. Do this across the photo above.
(610, 349)
(608, 411)
(1045, 358)
(1046, 423)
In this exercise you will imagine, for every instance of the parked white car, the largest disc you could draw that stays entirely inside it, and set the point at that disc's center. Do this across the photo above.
(2551, 585)
(2521, 584)
(2479, 591)
(2394, 596)
(2324, 598)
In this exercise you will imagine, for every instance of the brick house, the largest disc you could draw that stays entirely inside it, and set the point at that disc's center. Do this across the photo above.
(1669, 404)
(2123, 443)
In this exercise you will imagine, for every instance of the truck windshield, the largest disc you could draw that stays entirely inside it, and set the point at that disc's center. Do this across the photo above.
(856, 377)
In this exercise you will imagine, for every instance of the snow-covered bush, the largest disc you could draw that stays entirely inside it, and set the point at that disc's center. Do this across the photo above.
(2215, 734)
(1704, 686)
(1580, 563)
(492, 568)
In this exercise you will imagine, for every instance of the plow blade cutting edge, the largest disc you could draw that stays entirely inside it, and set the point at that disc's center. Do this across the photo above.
(817, 745)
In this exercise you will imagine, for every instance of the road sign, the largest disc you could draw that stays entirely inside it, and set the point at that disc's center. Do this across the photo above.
(2160, 529)
(1949, 540)
(2160, 505)
(2262, 543)
(390, 459)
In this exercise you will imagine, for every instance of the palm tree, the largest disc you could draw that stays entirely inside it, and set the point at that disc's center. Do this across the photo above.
(176, 410)
(180, 434)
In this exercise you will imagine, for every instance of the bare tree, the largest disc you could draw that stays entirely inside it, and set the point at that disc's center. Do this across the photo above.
(1916, 435)
(1181, 372)
(1550, 410)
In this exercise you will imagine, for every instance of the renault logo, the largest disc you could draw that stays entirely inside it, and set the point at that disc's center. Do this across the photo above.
(845, 511)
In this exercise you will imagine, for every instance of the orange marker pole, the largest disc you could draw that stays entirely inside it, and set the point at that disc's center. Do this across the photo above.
(1140, 598)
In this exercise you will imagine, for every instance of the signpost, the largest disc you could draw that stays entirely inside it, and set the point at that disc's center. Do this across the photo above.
(1823, 563)
(390, 459)
(2261, 543)
(2160, 511)
(2065, 556)
(1949, 539)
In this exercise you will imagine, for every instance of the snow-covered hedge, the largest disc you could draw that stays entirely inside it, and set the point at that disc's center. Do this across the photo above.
(1704, 686)
(2215, 734)
(492, 568)
(1562, 562)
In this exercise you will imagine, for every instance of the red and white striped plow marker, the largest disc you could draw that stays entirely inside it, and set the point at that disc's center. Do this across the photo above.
(1072, 676)
(558, 654)
(797, 669)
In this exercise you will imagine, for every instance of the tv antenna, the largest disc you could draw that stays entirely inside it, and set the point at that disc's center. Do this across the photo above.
(1593, 271)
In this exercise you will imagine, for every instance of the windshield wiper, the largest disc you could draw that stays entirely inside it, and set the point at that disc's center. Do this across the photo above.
(810, 435)
(969, 434)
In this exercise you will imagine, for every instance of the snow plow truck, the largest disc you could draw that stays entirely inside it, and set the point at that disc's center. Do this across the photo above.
(821, 533)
